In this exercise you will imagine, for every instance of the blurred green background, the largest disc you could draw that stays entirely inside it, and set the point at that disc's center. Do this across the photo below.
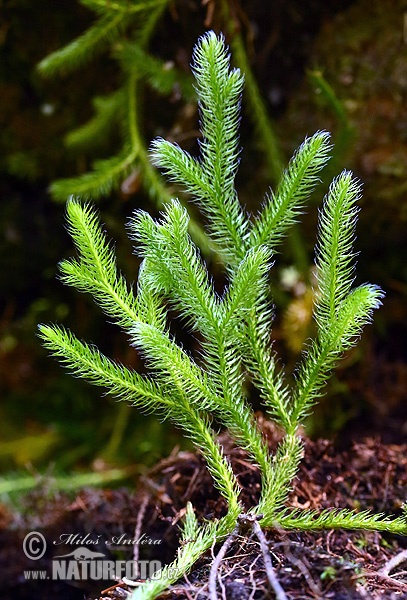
(340, 66)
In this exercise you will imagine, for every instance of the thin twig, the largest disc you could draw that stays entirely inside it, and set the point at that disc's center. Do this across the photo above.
(301, 566)
(394, 562)
(246, 521)
(270, 572)
(217, 560)
(137, 529)
(251, 576)
(391, 582)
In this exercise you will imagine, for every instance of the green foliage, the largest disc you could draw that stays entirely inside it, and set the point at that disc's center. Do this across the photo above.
(199, 392)
(345, 134)
(120, 109)
(113, 18)
(15, 483)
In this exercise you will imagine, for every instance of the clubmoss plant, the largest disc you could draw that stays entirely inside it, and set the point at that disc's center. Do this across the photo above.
(200, 392)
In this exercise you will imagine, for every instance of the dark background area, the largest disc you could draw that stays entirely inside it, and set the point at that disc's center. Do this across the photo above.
(360, 48)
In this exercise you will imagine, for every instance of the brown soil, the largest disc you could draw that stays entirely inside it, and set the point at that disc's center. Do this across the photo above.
(331, 564)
